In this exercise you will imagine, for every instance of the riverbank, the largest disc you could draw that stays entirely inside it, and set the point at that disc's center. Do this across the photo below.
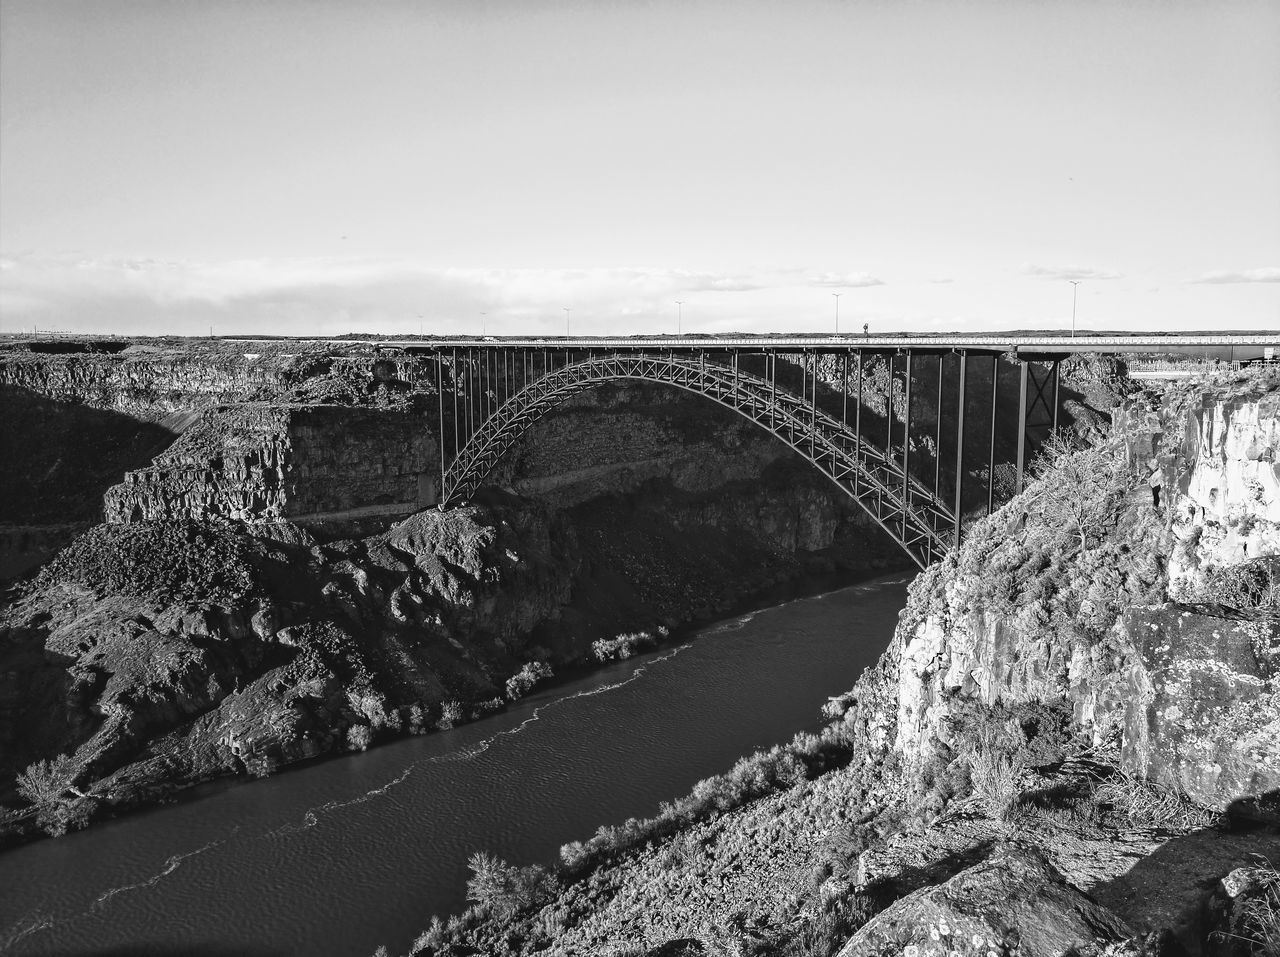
(202, 633)
(322, 650)
(335, 856)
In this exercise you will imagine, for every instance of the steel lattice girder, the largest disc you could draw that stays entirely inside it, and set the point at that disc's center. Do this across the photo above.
(903, 506)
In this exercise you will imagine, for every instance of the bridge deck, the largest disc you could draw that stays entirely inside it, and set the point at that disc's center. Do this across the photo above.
(1252, 343)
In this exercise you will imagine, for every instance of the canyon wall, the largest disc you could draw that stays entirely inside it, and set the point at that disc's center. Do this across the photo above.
(1141, 592)
(209, 429)
(1013, 776)
(316, 464)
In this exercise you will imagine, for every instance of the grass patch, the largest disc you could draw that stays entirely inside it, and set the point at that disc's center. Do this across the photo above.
(1146, 804)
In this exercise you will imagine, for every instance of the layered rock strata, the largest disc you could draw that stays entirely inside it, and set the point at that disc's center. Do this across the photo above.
(258, 463)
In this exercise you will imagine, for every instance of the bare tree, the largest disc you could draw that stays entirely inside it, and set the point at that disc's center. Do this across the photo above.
(46, 781)
(1078, 488)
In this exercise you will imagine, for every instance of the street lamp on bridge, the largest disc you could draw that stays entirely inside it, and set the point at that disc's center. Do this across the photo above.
(679, 315)
(837, 295)
(566, 319)
(1075, 288)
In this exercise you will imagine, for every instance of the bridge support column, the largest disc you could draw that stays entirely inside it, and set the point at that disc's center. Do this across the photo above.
(964, 365)
(991, 458)
(1022, 424)
(1037, 405)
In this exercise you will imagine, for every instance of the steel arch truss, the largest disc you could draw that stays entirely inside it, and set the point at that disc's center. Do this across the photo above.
(899, 503)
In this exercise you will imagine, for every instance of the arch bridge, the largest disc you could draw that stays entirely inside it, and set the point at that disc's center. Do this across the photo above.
(902, 425)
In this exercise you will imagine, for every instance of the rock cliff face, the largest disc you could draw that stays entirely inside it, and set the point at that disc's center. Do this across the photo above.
(262, 435)
(145, 383)
(263, 463)
(1129, 629)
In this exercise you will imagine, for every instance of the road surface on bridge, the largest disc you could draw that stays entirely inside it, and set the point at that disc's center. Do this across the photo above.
(1249, 345)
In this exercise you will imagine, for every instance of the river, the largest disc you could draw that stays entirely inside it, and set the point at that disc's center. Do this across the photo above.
(340, 856)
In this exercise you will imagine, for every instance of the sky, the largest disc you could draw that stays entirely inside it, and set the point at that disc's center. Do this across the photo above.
(469, 166)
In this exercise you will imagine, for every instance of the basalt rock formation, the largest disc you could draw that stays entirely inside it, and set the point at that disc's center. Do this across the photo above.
(77, 424)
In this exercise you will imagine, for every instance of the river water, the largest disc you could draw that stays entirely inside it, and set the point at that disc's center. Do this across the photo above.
(341, 856)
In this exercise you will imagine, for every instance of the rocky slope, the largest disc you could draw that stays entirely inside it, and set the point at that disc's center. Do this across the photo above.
(1069, 747)
(260, 434)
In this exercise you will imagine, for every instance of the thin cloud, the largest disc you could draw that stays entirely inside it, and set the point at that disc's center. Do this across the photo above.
(1266, 274)
(1079, 273)
(712, 282)
(351, 292)
(849, 280)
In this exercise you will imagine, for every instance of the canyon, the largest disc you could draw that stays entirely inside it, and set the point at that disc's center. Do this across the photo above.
(1068, 747)
(227, 561)
(272, 584)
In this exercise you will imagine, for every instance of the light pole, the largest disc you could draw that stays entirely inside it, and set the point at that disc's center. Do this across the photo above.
(679, 315)
(566, 319)
(1075, 288)
(837, 295)
(483, 325)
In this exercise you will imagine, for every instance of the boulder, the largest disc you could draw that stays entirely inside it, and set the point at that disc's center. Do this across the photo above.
(1203, 713)
(1014, 902)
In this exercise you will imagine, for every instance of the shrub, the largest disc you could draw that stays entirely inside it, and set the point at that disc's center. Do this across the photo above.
(679, 852)
(504, 888)
(522, 681)
(1258, 920)
(416, 718)
(995, 779)
(58, 817)
(431, 938)
(623, 646)
(1036, 733)
(450, 714)
(835, 707)
(1146, 803)
(1254, 584)
(574, 855)
(46, 781)
(359, 737)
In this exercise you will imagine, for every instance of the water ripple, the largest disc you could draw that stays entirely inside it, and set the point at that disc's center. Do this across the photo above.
(311, 817)
(40, 920)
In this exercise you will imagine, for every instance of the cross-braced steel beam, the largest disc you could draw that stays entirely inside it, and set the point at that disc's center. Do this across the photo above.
(490, 394)
(899, 503)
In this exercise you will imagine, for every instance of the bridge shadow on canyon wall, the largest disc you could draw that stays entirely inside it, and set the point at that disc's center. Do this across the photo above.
(60, 457)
